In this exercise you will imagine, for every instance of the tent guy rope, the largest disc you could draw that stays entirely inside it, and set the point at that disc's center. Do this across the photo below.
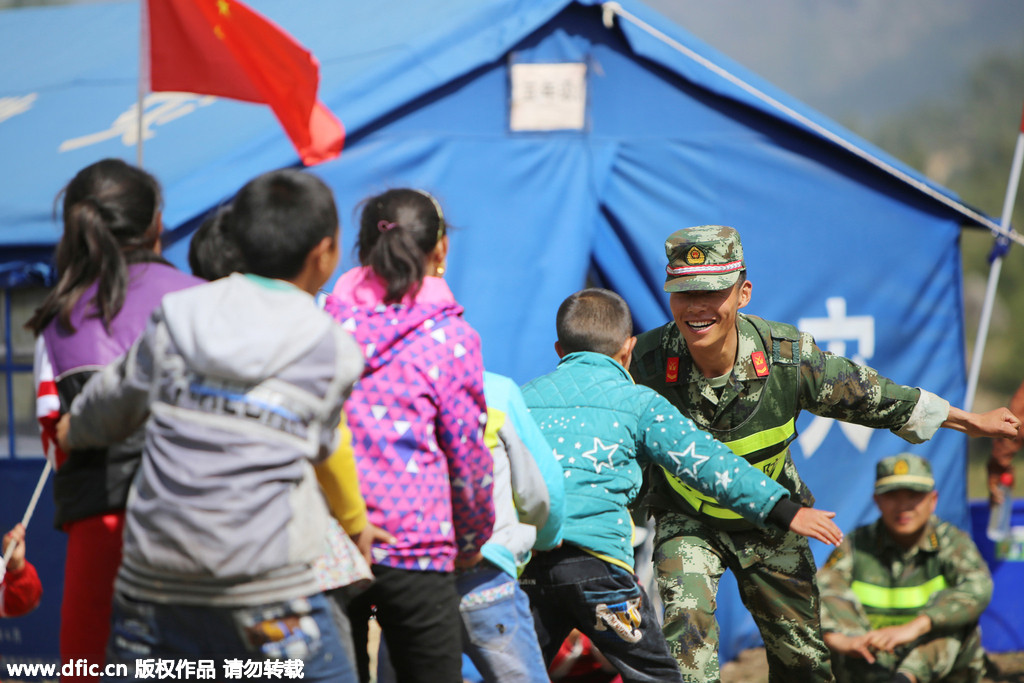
(612, 9)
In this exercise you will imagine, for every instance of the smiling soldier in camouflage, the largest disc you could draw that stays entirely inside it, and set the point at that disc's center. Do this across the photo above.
(745, 380)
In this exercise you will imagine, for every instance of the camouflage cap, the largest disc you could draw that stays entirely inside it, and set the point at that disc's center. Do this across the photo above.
(704, 258)
(903, 471)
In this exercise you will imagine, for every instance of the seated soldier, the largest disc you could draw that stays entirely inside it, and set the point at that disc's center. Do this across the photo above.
(901, 597)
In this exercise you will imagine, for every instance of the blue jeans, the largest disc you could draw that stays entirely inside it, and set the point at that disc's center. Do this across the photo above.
(497, 628)
(570, 588)
(254, 640)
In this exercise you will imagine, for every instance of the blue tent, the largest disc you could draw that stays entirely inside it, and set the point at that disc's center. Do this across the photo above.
(565, 140)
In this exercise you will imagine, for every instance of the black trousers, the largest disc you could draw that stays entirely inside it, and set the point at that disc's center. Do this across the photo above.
(418, 613)
(570, 588)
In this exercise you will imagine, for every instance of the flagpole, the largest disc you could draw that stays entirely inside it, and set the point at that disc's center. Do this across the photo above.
(9, 550)
(143, 80)
(999, 249)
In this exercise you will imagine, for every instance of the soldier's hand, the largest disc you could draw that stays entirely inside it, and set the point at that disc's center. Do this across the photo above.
(817, 524)
(1000, 422)
(850, 646)
(891, 637)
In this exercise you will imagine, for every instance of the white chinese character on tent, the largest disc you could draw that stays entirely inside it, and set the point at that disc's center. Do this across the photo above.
(157, 109)
(833, 333)
(12, 106)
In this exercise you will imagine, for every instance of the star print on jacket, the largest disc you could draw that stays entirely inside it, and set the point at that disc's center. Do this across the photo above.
(620, 427)
(606, 451)
(417, 417)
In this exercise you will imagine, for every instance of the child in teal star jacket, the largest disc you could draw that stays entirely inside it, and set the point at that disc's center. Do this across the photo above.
(604, 430)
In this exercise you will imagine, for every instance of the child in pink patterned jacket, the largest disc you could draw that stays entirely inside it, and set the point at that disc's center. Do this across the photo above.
(417, 417)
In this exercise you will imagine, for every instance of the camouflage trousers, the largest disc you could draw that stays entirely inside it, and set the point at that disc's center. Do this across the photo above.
(775, 573)
(949, 658)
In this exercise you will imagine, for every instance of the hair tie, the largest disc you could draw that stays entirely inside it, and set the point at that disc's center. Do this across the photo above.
(384, 226)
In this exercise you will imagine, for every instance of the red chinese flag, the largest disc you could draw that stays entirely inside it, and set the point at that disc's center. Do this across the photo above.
(225, 49)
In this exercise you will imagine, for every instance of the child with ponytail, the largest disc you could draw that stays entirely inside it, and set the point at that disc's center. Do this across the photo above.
(417, 417)
(110, 276)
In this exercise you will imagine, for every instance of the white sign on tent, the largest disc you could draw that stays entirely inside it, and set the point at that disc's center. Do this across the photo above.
(548, 96)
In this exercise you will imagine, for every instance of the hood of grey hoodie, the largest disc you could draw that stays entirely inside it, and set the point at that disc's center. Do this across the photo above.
(214, 326)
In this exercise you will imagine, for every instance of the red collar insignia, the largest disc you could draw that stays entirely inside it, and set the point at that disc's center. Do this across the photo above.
(672, 370)
(760, 364)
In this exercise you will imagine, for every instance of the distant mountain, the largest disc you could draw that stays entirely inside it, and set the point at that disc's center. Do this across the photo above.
(856, 60)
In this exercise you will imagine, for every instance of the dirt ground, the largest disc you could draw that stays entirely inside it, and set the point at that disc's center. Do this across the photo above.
(752, 667)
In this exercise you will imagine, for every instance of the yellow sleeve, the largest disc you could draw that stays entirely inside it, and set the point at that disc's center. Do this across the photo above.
(340, 483)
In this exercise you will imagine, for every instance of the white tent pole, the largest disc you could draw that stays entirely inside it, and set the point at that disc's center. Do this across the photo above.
(994, 271)
(143, 76)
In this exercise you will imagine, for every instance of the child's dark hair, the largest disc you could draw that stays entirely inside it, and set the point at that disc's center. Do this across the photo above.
(212, 254)
(278, 218)
(595, 320)
(397, 232)
(111, 214)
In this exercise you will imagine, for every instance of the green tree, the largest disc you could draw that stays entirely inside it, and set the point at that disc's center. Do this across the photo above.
(967, 144)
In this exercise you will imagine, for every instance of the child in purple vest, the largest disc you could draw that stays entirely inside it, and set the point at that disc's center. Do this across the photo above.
(240, 384)
(110, 277)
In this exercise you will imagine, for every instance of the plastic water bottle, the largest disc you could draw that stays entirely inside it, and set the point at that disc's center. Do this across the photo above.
(999, 513)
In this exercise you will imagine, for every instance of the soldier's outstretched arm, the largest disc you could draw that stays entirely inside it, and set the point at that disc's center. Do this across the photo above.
(817, 524)
(1000, 422)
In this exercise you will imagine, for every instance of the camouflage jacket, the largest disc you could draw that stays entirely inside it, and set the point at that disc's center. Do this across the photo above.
(821, 383)
(944, 573)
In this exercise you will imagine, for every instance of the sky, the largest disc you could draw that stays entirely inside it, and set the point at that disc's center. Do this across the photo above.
(856, 60)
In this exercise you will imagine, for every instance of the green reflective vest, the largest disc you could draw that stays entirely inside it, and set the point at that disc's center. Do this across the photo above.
(757, 426)
(892, 600)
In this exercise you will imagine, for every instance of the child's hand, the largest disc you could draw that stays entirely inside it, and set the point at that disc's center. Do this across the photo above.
(17, 559)
(817, 524)
(63, 425)
(464, 562)
(371, 534)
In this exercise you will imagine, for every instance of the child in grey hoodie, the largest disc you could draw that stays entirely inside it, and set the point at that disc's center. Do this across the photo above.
(240, 383)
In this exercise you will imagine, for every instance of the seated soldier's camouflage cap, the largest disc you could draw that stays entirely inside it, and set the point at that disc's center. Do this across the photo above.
(903, 471)
(704, 258)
